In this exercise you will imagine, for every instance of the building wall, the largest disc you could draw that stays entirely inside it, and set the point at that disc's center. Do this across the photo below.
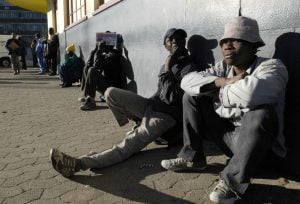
(143, 24)
(22, 22)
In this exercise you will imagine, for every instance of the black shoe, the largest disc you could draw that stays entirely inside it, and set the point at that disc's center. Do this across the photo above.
(52, 74)
(64, 85)
(63, 163)
(89, 104)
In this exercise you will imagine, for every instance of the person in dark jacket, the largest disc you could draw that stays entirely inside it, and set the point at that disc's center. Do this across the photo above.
(156, 115)
(33, 53)
(101, 73)
(53, 45)
(23, 52)
(13, 47)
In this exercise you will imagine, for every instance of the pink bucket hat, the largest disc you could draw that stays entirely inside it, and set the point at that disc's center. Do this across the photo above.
(243, 28)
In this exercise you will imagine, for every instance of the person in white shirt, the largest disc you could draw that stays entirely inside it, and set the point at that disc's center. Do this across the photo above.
(238, 104)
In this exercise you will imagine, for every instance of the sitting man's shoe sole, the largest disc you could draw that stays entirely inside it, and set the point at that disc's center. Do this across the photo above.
(63, 163)
(87, 107)
(179, 164)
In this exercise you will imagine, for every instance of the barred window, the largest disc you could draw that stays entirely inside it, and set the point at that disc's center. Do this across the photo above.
(77, 10)
(104, 4)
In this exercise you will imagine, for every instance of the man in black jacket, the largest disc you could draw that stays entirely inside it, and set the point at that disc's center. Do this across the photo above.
(13, 47)
(99, 74)
(156, 115)
(53, 46)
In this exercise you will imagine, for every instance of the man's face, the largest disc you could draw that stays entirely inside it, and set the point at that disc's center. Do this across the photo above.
(174, 42)
(237, 52)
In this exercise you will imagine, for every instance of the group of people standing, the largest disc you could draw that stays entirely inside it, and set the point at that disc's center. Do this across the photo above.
(45, 52)
(237, 103)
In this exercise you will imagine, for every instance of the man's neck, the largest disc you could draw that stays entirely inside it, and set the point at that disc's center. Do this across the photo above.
(239, 69)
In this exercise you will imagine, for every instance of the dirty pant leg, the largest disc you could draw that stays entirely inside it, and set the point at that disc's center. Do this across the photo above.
(41, 62)
(91, 82)
(15, 62)
(250, 143)
(153, 125)
(201, 121)
(84, 75)
(125, 105)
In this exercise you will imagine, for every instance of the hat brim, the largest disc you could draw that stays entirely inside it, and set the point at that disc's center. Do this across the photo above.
(200, 41)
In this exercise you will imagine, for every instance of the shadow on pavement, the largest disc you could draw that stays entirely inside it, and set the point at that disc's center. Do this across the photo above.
(260, 193)
(125, 179)
(31, 78)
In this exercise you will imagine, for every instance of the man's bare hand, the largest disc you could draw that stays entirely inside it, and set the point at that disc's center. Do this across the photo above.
(172, 60)
(101, 45)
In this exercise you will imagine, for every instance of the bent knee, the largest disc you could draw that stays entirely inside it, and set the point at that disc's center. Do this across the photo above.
(109, 93)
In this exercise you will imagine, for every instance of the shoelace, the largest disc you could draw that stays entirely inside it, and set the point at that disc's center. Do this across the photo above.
(222, 186)
(69, 164)
(178, 161)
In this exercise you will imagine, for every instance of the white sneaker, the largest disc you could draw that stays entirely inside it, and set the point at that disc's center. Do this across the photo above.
(223, 194)
(180, 164)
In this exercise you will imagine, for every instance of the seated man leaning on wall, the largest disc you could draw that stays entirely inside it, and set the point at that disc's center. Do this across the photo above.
(99, 74)
(156, 115)
(238, 104)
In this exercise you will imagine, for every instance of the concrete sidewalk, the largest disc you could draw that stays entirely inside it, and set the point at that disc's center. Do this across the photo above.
(36, 114)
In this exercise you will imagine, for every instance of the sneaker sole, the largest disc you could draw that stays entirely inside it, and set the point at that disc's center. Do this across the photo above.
(216, 199)
(186, 168)
(87, 109)
(179, 169)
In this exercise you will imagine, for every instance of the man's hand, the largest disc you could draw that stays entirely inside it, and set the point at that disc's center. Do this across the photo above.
(101, 45)
(172, 59)
(222, 81)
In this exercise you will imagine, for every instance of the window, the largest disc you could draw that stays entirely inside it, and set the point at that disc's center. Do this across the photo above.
(104, 4)
(77, 10)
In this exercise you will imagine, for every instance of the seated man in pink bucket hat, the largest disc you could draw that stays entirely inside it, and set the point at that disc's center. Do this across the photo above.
(238, 104)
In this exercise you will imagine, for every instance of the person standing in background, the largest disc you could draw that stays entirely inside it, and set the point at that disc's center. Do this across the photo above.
(23, 52)
(34, 57)
(13, 45)
(40, 53)
(53, 45)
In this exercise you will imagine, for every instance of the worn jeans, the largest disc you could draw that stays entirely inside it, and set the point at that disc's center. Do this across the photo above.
(247, 145)
(94, 81)
(127, 105)
(15, 62)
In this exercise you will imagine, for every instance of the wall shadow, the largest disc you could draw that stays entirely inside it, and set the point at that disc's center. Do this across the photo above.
(287, 49)
(128, 82)
(201, 53)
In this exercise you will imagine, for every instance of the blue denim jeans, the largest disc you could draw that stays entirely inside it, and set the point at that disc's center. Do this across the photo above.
(247, 145)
